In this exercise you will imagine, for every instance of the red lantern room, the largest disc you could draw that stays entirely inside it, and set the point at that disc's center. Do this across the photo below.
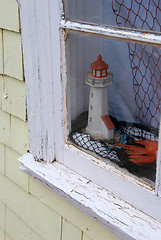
(99, 68)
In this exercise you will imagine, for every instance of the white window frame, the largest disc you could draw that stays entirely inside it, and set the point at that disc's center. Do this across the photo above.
(43, 40)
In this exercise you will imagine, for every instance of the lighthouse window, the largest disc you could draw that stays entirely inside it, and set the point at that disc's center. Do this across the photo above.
(103, 72)
(94, 72)
(98, 73)
(122, 125)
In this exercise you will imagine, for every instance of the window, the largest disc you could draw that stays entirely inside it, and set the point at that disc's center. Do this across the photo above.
(130, 96)
(104, 73)
(98, 74)
(131, 48)
(52, 83)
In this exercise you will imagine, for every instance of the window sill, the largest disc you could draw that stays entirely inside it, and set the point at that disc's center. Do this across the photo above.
(118, 216)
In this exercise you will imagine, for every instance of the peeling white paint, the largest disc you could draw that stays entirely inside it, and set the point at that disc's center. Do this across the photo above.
(118, 216)
(41, 56)
(47, 117)
(113, 32)
(158, 173)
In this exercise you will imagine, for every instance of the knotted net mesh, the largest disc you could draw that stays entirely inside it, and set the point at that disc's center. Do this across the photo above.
(145, 61)
(129, 132)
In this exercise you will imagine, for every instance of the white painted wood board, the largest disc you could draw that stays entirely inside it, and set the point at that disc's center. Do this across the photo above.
(121, 218)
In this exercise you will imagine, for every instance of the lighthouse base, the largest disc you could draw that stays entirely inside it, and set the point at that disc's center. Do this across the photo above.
(103, 134)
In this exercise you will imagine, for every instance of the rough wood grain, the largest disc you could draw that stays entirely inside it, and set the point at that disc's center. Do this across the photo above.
(41, 68)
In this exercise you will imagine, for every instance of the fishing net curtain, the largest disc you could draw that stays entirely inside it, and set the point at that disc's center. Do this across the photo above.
(144, 60)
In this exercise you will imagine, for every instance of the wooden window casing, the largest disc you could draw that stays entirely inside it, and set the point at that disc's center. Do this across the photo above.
(86, 161)
(46, 82)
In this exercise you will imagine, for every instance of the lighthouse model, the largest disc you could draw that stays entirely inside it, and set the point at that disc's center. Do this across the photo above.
(99, 122)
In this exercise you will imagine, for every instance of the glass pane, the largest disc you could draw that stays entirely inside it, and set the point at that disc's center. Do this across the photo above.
(136, 14)
(115, 116)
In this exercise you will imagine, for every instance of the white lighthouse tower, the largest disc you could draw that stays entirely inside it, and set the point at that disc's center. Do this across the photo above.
(99, 122)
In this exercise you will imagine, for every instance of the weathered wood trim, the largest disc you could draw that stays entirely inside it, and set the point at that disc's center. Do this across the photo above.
(46, 105)
(118, 181)
(110, 177)
(120, 217)
(158, 172)
(113, 32)
(41, 54)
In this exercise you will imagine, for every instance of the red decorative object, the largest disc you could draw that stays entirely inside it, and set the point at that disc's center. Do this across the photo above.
(143, 152)
(99, 68)
(107, 121)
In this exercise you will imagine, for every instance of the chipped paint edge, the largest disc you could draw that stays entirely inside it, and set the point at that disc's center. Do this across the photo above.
(118, 216)
(113, 32)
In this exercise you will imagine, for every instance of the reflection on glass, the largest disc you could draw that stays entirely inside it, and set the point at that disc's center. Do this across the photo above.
(117, 115)
(145, 14)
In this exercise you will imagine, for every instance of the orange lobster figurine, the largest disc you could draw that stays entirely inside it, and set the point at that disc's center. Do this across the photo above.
(144, 151)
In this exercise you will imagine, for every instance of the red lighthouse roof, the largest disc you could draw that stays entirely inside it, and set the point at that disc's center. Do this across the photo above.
(99, 64)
